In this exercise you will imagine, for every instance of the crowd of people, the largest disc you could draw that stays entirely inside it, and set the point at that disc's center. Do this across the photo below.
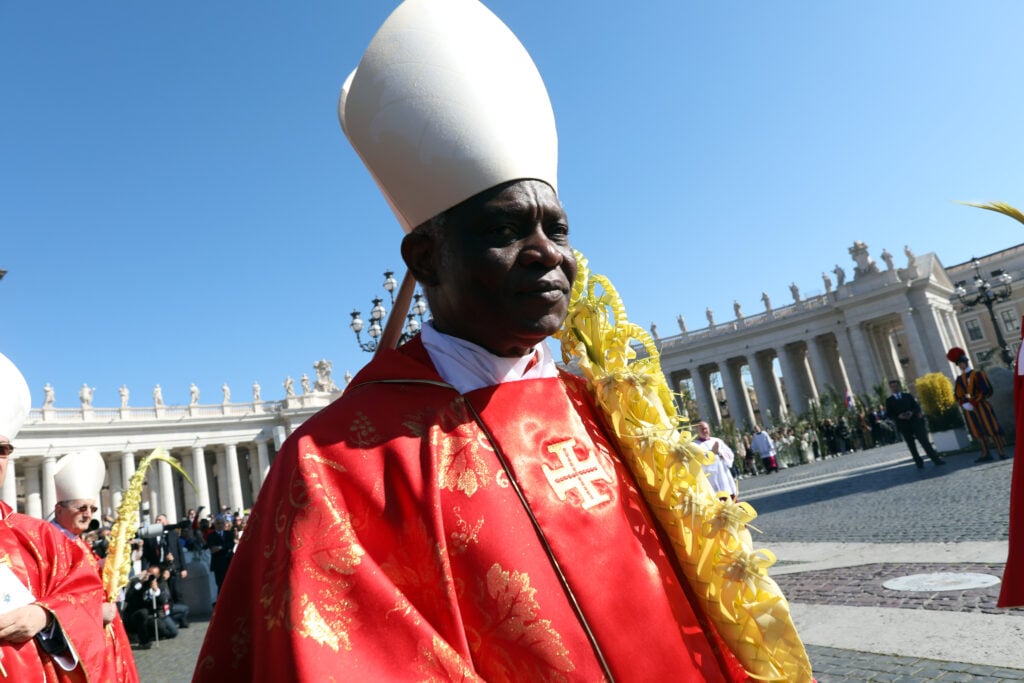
(762, 451)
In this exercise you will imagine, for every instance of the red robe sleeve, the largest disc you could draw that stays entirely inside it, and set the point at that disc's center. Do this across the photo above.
(64, 583)
(1012, 592)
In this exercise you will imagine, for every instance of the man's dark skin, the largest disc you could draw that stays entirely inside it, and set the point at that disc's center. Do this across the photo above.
(498, 273)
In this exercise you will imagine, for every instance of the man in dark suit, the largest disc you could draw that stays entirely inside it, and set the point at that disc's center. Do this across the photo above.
(221, 543)
(903, 408)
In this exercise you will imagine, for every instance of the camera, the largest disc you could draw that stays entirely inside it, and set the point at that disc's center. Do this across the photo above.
(152, 530)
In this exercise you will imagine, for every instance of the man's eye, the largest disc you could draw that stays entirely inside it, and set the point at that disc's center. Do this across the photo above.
(558, 230)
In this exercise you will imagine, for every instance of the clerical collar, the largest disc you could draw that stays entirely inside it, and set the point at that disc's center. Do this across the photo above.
(70, 534)
(467, 366)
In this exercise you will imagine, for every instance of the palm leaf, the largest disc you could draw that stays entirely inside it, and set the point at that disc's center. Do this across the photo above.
(998, 207)
(118, 564)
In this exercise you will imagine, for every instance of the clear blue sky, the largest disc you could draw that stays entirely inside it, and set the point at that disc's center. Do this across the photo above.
(178, 203)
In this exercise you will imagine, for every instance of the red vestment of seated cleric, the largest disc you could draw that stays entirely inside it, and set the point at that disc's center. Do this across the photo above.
(65, 584)
(408, 532)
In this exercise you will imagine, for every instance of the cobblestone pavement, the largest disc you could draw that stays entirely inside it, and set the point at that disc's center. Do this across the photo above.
(878, 497)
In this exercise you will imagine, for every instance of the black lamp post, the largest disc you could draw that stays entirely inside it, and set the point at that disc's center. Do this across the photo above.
(378, 315)
(989, 294)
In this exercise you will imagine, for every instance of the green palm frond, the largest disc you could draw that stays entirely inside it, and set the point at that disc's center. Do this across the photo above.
(998, 207)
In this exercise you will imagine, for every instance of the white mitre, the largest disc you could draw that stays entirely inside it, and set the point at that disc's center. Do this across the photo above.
(79, 476)
(445, 104)
(15, 398)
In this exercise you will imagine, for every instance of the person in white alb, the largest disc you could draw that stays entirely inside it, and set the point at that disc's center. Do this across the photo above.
(719, 473)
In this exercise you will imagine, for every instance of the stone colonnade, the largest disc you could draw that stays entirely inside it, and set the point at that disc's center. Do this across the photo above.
(883, 324)
(226, 450)
(223, 474)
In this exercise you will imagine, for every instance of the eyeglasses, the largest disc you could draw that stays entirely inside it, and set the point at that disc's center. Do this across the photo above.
(81, 508)
(6, 449)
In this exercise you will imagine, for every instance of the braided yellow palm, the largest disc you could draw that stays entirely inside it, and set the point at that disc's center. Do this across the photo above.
(710, 535)
(119, 556)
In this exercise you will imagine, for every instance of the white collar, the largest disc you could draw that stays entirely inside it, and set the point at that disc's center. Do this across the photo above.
(467, 366)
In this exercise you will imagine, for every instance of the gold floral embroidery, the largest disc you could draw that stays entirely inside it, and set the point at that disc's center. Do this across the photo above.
(417, 570)
(315, 625)
(364, 434)
(459, 444)
(440, 663)
(325, 613)
(513, 643)
(465, 534)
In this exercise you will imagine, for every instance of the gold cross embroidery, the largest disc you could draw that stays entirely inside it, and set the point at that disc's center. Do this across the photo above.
(576, 475)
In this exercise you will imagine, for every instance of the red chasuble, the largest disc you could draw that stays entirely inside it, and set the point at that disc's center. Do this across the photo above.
(61, 579)
(409, 533)
(118, 648)
(1011, 594)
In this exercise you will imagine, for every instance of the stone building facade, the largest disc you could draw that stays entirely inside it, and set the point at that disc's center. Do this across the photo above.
(885, 321)
(225, 448)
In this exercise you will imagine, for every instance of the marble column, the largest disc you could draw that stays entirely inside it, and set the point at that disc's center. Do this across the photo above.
(918, 354)
(262, 463)
(127, 467)
(234, 478)
(775, 384)
(937, 340)
(168, 503)
(33, 492)
(795, 383)
(189, 491)
(10, 489)
(735, 393)
(707, 402)
(858, 366)
(767, 402)
(819, 366)
(199, 478)
(114, 483)
(49, 489)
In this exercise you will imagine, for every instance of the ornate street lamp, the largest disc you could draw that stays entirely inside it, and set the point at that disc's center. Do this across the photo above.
(988, 295)
(378, 315)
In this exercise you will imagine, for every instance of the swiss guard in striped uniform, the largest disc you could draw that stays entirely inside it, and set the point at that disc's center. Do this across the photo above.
(973, 390)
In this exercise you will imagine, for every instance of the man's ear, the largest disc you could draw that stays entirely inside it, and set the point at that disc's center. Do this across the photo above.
(419, 251)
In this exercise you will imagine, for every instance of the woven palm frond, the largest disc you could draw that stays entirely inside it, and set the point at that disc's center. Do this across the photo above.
(118, 564)
(710, 536)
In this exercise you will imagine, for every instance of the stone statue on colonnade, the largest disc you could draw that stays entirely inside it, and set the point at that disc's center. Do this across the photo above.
(158, 396)
(124, 394)
(48, 396)
(324, 383)
(289, 386)
(193, 394)
(840, 276)
(85, 395)
(795, 291)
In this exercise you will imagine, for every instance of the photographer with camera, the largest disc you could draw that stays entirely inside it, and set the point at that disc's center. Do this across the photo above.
(163, 549)
(147, 608)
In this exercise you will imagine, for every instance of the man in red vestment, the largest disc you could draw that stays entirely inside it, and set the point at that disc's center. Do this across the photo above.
(460, 513)
(77, 483)
(50, 625)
